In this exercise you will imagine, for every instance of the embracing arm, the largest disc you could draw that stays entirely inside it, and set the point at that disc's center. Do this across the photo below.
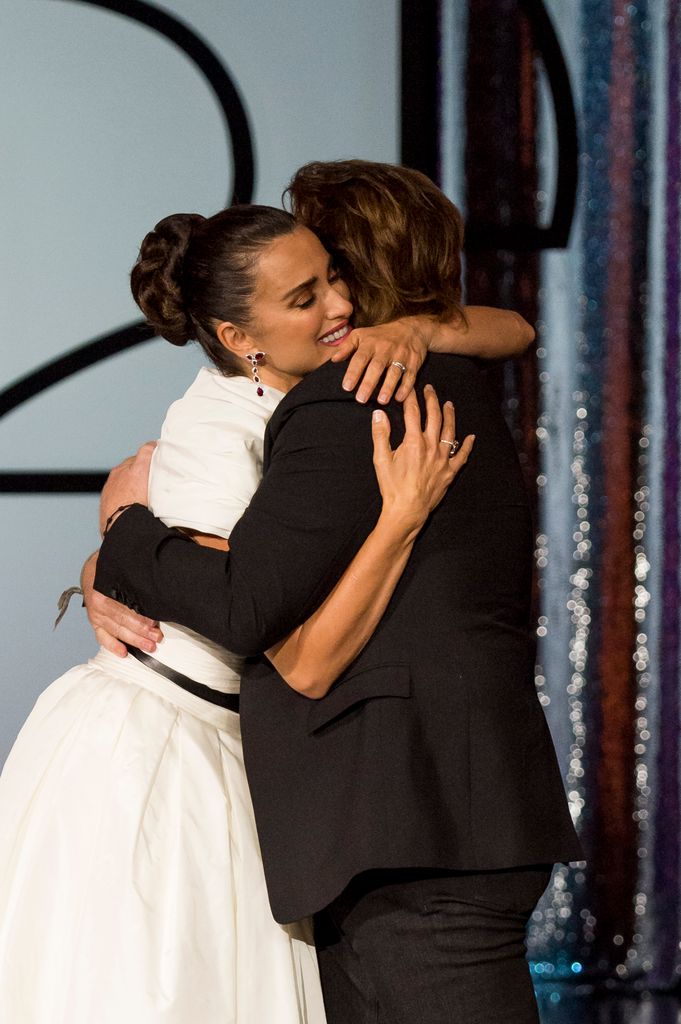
(412, 480)
(313, 510)
(284, 559)
(312, 657)
(486, 332)
(395, 351)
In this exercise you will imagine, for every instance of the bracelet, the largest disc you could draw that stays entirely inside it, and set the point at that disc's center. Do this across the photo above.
(63, 603)
(121, 508)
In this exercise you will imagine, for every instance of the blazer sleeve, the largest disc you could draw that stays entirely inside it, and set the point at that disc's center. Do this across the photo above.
(315, 506)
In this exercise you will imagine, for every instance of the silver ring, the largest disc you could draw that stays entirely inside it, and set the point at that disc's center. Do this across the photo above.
(399, 365)
(453, 446)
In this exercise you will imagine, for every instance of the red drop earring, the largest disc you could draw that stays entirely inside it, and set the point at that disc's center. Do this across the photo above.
(255, 359)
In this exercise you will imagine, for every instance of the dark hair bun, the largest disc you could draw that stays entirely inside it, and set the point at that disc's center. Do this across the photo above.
(156, 278)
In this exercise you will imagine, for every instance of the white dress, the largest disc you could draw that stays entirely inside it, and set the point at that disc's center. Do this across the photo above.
(131, 883)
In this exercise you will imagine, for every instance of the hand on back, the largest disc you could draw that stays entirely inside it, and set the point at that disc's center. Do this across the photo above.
(114, 624)
(388, 354)
(414, 477)
(127, 484)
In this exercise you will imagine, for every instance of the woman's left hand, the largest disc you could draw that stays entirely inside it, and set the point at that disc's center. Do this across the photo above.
(414, 477)
(376, 353)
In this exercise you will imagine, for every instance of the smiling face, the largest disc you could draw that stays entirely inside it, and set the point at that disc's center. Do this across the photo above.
(300, 310)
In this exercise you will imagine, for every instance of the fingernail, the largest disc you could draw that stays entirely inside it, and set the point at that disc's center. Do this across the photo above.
(383, 399)
(148, 646)
(428, 387)
(449, 405)
(347, 386)
(377, 415)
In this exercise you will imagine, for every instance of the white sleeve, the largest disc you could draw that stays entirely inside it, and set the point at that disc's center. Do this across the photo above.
(206, 467)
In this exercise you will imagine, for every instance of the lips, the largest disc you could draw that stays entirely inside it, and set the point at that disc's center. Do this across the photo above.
(335, 337)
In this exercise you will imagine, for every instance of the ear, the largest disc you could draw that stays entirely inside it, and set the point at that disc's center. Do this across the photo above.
(235, 339)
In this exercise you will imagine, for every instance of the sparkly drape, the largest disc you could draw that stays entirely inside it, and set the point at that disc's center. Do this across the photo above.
(597, 410)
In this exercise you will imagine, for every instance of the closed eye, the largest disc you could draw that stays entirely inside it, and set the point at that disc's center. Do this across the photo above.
(333, 275)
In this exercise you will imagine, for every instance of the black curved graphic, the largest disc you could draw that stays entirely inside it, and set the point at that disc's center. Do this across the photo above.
(59, 369)
(239, 135)
(65, 481)
(216, 74)
(421, 122)
(532, 237)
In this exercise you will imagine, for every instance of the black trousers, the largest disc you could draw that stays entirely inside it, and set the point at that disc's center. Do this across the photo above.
(414, 947)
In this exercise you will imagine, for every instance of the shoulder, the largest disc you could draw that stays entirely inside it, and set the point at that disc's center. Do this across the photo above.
(315, 396)
(211, 435)
(214, 408)
(461, 371)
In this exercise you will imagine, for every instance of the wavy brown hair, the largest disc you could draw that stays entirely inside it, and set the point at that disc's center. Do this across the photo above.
(395, 236)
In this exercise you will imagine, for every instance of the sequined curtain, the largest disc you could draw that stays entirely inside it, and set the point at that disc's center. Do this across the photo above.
(596, 410)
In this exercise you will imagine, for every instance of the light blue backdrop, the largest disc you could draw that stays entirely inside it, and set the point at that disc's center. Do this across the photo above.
(106, 127)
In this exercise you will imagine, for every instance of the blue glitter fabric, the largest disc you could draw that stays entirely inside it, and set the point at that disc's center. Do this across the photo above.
(609, 485)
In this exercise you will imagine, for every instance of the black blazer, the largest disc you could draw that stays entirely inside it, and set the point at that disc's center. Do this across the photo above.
(432, 749)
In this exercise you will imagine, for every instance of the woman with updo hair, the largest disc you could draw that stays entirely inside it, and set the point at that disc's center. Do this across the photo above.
(131, 882)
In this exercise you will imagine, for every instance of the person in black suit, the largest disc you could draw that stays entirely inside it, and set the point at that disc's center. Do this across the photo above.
(416, 807)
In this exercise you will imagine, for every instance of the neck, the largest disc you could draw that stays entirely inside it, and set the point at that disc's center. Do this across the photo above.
(281, 381)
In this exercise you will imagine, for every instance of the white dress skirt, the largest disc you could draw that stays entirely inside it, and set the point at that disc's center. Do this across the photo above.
(131, 883)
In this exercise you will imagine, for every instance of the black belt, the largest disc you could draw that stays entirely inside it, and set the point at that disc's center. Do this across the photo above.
(224, 700)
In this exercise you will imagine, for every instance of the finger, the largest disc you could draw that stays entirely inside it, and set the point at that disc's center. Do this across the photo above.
(461, 458)
(104, 611)
(372, 375)
(346, 348)
(414, 364)
(409, 378)
(135, 625)
(100, 606)
(448, 431)
(355, 369)
(412, 417)
(407, 385)
(392, 379)
(134, 639)
(380, 432)
(110, 643)
(132, 624)
(433, 431)
(130, 636)
(145, 452)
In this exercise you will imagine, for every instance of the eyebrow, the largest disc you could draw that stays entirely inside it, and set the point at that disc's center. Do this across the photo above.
(310, 283)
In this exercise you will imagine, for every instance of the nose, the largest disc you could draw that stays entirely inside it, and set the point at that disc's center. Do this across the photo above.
(338, 305)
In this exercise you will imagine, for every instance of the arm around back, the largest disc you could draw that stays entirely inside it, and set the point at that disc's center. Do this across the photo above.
(317, 503)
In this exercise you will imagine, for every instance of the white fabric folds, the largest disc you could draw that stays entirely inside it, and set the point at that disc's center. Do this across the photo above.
(131, 884)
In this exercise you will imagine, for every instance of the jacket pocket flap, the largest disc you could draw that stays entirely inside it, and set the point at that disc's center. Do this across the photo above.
(384, 681)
